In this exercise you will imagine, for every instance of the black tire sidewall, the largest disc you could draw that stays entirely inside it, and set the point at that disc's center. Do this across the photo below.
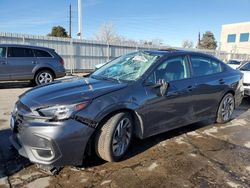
(124, 115)
(219, 118)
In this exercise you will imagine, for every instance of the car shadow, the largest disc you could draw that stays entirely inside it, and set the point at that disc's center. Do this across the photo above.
(15, 85)
(10, 161)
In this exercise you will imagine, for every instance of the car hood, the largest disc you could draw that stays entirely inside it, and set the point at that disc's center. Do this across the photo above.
(68, 92)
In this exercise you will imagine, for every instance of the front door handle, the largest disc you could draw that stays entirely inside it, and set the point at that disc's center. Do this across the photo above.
(190, 88)
(3, 62)
(34, 62)
(221, 81)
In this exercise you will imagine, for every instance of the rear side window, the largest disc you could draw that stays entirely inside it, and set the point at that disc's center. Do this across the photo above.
(2, 52)
(41, 53)
(20, 52)
(245, 67)
(205, 66)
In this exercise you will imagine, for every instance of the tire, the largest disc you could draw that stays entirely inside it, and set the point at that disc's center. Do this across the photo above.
(44, 77)
(108, 143)
(226, 108)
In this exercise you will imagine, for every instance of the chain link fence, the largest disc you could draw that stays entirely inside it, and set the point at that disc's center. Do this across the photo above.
(83, 55)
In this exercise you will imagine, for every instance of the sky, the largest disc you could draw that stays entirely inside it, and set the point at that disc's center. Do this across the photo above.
(170, 20)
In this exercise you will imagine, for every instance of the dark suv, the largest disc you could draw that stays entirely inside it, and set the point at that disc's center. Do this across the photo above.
(38, 64)
(139, 94)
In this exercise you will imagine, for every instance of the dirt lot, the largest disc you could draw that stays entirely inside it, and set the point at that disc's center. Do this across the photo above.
(199, 155)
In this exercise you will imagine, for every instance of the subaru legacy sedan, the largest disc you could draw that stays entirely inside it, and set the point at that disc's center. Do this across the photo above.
(140, 94)
(37, 64)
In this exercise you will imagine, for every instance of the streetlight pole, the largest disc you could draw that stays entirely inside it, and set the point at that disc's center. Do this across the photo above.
(79, 34)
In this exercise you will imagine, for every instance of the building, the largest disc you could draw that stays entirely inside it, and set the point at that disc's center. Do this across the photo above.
(235, 38)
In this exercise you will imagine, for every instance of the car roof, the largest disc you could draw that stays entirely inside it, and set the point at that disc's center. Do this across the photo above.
(25, 46)
(177, 52)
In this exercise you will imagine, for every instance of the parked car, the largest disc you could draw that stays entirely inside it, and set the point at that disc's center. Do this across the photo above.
(140, 94)
(234, 63)
(38, 64)
(245, 68)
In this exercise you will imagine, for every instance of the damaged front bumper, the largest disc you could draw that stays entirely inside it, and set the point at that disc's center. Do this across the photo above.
(53, 144)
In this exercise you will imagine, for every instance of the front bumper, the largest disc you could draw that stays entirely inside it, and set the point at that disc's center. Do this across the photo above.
(52, 143)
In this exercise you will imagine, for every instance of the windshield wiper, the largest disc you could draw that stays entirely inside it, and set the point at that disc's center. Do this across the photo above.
(105, 78)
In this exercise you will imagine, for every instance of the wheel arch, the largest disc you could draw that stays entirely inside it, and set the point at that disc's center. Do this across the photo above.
(137, 120)
(42, 69)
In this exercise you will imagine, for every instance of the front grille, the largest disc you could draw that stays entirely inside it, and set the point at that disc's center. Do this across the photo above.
(246, 84)
(19, 123)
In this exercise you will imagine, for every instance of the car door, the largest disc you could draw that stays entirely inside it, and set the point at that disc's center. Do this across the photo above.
(173, 108)
(4, 73)
(21, 62)
(210, 84)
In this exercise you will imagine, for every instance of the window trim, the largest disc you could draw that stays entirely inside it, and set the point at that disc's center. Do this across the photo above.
(244, 40)
(210, 58)
(230, 35)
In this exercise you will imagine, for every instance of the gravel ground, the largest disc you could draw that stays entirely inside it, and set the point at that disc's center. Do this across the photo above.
(199, 155)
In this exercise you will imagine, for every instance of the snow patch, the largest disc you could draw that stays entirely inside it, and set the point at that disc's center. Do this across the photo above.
(247, 144)
(105, 182)
(232, 184)
(152, 166)
(211, 131)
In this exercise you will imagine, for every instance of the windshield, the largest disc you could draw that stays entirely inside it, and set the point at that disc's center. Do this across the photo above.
(129, 67)
(245, 67)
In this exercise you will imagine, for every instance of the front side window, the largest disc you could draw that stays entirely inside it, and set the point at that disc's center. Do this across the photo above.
(20, 52)
(231, 38)
(205, 66)
(41, 53)
(2, 52)
(244, 37)
(126, 68)
(176, 68)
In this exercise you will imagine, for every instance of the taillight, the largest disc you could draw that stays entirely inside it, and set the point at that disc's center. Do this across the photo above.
(62, 61)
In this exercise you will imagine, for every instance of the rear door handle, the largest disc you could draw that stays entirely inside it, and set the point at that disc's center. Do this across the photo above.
(34, 62)
(190, 88)
(221, 81)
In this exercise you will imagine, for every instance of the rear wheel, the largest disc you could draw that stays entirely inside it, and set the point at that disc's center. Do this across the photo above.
(44, 77)
(226, 109)
(114, 137)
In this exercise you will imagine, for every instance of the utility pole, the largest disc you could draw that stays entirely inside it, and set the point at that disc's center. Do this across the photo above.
(70, 20)
(79, 34)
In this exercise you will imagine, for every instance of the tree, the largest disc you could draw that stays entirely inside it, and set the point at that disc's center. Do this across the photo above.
(107, 34)
(58, 31)
(208, 41)
(187, 44)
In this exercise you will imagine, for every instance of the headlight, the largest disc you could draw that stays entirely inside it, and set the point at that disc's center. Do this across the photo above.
(63, 111)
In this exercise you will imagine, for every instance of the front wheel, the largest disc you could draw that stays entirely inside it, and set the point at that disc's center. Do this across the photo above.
(114, 137)
(44, 77)
(226, 108)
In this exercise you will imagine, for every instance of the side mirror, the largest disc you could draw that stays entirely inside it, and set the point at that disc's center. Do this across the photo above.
(161, 84)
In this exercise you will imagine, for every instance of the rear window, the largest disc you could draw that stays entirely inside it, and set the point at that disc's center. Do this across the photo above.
(41, 53)
(232, 62)
(20, 52)
(205, 66)
(2, 52)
